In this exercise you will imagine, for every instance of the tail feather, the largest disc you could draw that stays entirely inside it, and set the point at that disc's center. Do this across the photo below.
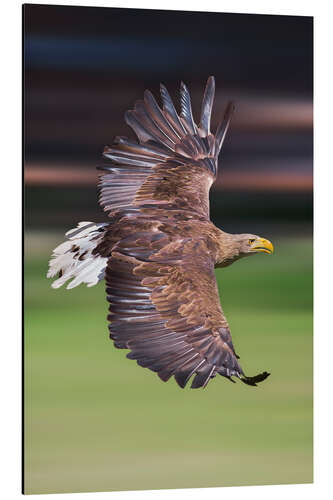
(73, 260)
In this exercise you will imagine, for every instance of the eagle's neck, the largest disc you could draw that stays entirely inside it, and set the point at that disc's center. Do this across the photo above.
(228, 249)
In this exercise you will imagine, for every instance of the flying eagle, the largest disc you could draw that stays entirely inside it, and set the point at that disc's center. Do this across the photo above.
(158, 250)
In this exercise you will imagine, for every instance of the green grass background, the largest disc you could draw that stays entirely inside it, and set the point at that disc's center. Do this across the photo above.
(96, 421)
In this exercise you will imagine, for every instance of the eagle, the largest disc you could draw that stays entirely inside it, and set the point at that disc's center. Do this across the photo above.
(158, 251)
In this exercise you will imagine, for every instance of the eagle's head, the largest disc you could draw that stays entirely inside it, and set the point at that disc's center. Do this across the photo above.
(249, 244)
(235, 246)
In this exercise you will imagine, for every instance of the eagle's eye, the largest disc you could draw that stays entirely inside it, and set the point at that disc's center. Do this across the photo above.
(251, 241)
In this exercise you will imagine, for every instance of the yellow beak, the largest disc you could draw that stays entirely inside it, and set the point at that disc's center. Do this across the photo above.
(262, 245)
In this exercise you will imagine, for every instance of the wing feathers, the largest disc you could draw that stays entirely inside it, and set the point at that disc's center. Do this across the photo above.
(166, 140)
(224, 125)
(186, 109)
(171, 113)
(207, 106)
(202, 376)
(159, 118)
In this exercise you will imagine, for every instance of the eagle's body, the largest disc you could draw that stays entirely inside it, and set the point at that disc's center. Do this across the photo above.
(159, 249)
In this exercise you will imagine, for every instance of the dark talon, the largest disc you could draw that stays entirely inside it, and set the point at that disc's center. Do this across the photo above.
(254, 380)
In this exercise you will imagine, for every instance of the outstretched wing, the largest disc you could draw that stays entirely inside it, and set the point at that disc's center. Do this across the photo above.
(165, 308)
(175, 162)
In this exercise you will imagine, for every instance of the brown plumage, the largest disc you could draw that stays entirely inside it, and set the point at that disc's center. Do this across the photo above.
(160, 247)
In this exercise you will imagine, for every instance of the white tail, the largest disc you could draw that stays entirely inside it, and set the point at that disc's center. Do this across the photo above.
(74, 258)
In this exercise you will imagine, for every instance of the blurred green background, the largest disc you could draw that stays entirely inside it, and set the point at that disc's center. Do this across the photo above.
(96, 421)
